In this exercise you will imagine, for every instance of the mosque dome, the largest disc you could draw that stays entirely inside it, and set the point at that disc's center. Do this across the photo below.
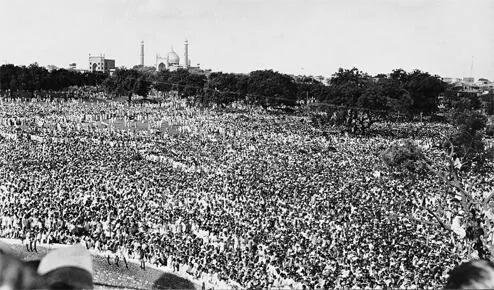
(173, 58)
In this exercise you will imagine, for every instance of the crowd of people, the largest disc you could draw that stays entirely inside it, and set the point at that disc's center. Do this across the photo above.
(249, 198)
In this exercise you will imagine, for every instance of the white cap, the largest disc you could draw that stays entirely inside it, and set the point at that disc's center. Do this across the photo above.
(74, 256)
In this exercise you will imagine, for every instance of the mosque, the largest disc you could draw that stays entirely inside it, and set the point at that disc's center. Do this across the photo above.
(172, 61)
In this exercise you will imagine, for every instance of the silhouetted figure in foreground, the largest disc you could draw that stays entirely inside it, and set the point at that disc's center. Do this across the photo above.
(476, 274)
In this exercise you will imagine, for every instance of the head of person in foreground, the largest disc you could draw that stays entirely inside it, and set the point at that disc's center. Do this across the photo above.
(476, 274)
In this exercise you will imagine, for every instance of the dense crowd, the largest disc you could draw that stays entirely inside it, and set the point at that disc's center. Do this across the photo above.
(250, 198)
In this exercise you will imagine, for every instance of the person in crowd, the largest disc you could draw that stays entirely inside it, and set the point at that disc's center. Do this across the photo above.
(123, 253)
(253, 200)
(142, 256)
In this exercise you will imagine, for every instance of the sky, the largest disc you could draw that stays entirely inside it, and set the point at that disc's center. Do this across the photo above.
(309, 37)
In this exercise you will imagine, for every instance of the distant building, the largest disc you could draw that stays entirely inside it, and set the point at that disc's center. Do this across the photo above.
(320, 78)
(72, 66)
(51, 67)
(468, 80)
(451, 80)
(101, 64)
(483, 81)
(199, 71)
(172, 62)
(447, 80)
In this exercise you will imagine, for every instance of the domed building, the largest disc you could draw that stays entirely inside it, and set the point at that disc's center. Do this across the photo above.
(172, 62)
(172, 59)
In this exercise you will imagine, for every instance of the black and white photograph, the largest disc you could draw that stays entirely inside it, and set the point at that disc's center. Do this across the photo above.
(246, 144)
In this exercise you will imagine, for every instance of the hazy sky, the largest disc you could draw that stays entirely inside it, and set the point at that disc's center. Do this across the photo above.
(291, 36)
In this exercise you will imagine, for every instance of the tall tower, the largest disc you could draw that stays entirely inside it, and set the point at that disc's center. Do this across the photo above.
(142, 53)
(186, 53)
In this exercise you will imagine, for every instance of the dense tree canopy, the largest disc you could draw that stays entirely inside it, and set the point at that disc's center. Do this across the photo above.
(35, 78)
(423, 89)
(226, 88)
(270, 88)
(127, 83)
(310, 88)
(400, 92)
(182, 81)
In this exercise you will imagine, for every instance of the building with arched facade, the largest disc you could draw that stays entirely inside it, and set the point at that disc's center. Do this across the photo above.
(101, 64)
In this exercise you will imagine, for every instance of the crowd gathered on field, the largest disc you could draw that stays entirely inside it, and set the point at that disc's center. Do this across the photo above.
(249, 198)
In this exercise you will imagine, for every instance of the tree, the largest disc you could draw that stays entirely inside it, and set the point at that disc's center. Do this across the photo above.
(128, 83)
(194, 85)
(147, 70)
(226, 88)
(456, 99)
(36, 78)
(309, 87)
(472, 210)
(181, 81)
(469, 123)
(488, 103)
(347, 85)
(398, 99)
(270, 88)
(355, 100)
(423, 88)
(162, 82)
(467, 139)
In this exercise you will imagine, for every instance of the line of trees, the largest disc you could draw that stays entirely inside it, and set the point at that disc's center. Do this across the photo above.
(407, 93)
(350, 97)
(36, 78)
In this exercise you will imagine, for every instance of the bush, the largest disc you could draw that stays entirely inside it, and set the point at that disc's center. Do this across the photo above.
(404, 156)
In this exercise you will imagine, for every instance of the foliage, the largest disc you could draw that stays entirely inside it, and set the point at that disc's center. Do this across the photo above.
(364, 100)
(468, 138)
(488, 102)
(404, 156)
(423, 89)
(357, 100)
(347, 86)
(398, 99)
(472, 208)
(185, 83)
(270, 88)
(457, 100)
(226, 88)
(469, 120)
(311, 88)
(127, 83)
(35, 78)
(401, 93)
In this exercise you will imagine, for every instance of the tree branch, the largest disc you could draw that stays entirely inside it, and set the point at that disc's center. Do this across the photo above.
(439, 220)
(446, 180)
(433, 213)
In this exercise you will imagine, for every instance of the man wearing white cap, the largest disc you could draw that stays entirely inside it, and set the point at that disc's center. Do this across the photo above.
(67, 268)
